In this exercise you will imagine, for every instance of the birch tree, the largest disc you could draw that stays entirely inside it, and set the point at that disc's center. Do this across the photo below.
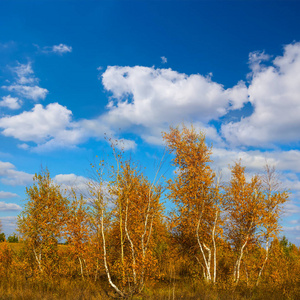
(274, 198)
(244, 207)
(127, 211)
(196, 196)
(42, 220)
(78, 232)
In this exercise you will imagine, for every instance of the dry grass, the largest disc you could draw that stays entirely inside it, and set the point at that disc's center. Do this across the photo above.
(80, 290)
(16, 247)
(63, 289)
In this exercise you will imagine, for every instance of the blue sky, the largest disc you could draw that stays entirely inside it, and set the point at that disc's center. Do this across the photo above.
(71, 71)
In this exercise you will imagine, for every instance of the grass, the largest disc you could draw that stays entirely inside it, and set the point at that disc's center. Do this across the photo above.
(15, 287)
(76, 289)
(16, 247)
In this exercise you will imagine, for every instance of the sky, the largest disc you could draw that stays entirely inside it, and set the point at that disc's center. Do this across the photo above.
(73, 72)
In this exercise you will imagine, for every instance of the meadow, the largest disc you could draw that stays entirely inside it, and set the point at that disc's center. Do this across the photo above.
(222, 241)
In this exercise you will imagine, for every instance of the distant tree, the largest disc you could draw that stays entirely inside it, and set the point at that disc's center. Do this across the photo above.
(42, 221)
(13, 238)
(2, 237)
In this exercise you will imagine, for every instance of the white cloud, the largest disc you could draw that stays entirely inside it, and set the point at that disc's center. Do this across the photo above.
(10, 176)
(9, 224)
(145, 101)
(164, 60)
(154, 97)
(274, 93)
(285, 163)
(26, 84)
(23, 146)
(38, 125)
(256, 159)
(69, 182)
(10, 102)
(6, 195)
(125, 144)
(25, 74)
(9, 206)
(29, 92)
(61, 49)
(52, 127)
(255, 60)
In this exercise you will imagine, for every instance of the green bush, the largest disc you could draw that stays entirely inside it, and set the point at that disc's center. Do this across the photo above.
(13, 239)
(2, 237)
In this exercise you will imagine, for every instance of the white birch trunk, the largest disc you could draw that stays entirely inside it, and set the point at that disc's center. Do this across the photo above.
(105, 258)
(238, 262)
(38, 259)
(131, 244)
(207, 265)
(81, 267)
(264, 263)
(214, 247)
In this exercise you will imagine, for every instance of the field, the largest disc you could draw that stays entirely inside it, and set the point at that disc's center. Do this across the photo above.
(15, 285)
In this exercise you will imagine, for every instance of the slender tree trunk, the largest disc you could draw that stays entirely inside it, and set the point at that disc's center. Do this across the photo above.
(238, 262)
(247, 277)
(207, 264)
(120, 215)
(264, 263)
(131, 245)
(97, 268)
(105, 258)
(143, 244)
(214, 245)
(39, 260)
(81, 267)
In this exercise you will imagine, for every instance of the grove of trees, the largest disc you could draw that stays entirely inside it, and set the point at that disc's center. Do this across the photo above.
(118, 240)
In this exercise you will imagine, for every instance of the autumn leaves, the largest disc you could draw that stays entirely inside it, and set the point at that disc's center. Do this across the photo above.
(209, 213)
(121, 232)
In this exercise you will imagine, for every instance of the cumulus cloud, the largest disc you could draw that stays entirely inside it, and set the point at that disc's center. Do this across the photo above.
(293, 233)
(29, 92)
(274, 93)
(10, 176)
(124, 144)
(52, 127)
(164, 60)
(71, 181)
(256, 159)
(255, 60)
(56, 49)
(285, 163)
(10, 102)
(26, 84)
(24, 74)
(145, 101)
(6, 195)
(38, 125)
(9, 206)
(23, 146)
(61, 49)
(9, 224)
(152, 97)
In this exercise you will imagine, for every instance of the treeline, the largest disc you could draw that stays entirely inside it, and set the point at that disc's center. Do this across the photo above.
(221, 240)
